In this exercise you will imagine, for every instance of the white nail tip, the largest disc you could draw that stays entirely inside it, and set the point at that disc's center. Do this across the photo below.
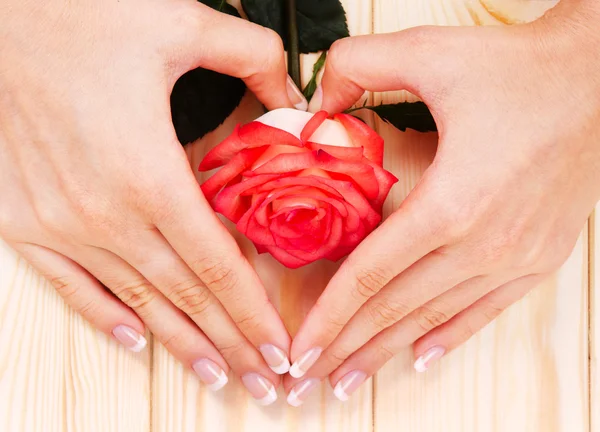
(293, 399)
(420, 365)
(219, 383)
(339, 392)
(283, 368)
(269, 398)
(140, 345)
(296, 372)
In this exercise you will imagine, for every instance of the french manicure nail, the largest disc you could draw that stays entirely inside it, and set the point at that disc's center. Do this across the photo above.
(296, 96)
(348, 384)
(304, 363)
(260, 388)
(429, 357)
(131, 339)
(275, 358)
(317, 100)
(301, 391)
(211, 374)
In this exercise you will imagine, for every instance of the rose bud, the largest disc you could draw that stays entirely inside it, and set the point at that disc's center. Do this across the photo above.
(301, 186)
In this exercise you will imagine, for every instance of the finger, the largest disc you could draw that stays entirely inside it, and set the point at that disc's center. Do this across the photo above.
(403, 239)
(371, 357)
(464, 325)
(202, 241)
(169, 325)
(166, 271)
(239, 48)
(159, 263)
(412, 59)
(428, 306)
(411, 316)
(86, 295)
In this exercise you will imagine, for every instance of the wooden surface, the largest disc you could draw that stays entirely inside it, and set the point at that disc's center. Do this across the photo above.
(535, 369)
(594, 321)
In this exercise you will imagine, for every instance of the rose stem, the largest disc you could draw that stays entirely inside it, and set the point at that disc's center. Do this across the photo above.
(293, 48)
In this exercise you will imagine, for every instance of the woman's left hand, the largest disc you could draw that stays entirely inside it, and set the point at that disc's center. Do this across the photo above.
(516, 175)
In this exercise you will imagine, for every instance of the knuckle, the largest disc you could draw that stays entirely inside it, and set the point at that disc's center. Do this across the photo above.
(385, 353)
(336, 356)
(232, 350)
(6, 220)
(184, 17)
(339, 54)
(89, 308)
(191, 297)
(63, 286)
(428, 318)
(369, 282)
(274, 52)
(51, 218)
(419, 37)
(176, 342)
(248, 319)
(136, 294)
(490, 312)
(384, 313)
(216, 274)
(553, 256)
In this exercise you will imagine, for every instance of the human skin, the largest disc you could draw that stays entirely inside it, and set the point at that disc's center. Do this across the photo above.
(516, 174)
(96, 192)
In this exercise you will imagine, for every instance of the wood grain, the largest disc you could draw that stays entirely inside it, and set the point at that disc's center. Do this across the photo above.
(56, 372)
(594, 321)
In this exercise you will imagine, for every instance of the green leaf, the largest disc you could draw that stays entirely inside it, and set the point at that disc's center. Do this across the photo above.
(202, 99)
(310, 88)
(404, 115)
(320, 22)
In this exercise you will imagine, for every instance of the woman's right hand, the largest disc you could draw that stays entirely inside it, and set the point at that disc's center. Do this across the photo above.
(96, 191)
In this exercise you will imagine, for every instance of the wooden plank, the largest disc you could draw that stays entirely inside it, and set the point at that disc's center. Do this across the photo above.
(528, 370)
(180, 403)
(595, 321)
(56, 372)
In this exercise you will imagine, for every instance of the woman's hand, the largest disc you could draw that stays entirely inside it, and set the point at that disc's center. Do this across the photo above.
(96, 191)
(516, 175)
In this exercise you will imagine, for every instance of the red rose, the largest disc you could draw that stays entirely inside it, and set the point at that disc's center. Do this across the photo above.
(300, 186)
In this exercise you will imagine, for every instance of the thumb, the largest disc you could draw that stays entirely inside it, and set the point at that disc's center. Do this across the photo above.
(418, 60)
(236, 47)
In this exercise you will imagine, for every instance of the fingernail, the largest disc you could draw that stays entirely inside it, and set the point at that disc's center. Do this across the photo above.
(260, 388)
(131, 339)
(304, 363)
(275, 358)
(430, 356)
(317, 100)
(301, 391)
(296, 96)
(211, 374)
(348, 385)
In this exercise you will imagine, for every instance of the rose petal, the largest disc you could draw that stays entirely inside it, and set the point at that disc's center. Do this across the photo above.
(312, 125)
(332, 241)
(353, 154)
(232, 202)
(386, 180)
(252, 135)
(356, 199)
(363, 136)
(240, 163)
(362, 173)
(295, 181)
